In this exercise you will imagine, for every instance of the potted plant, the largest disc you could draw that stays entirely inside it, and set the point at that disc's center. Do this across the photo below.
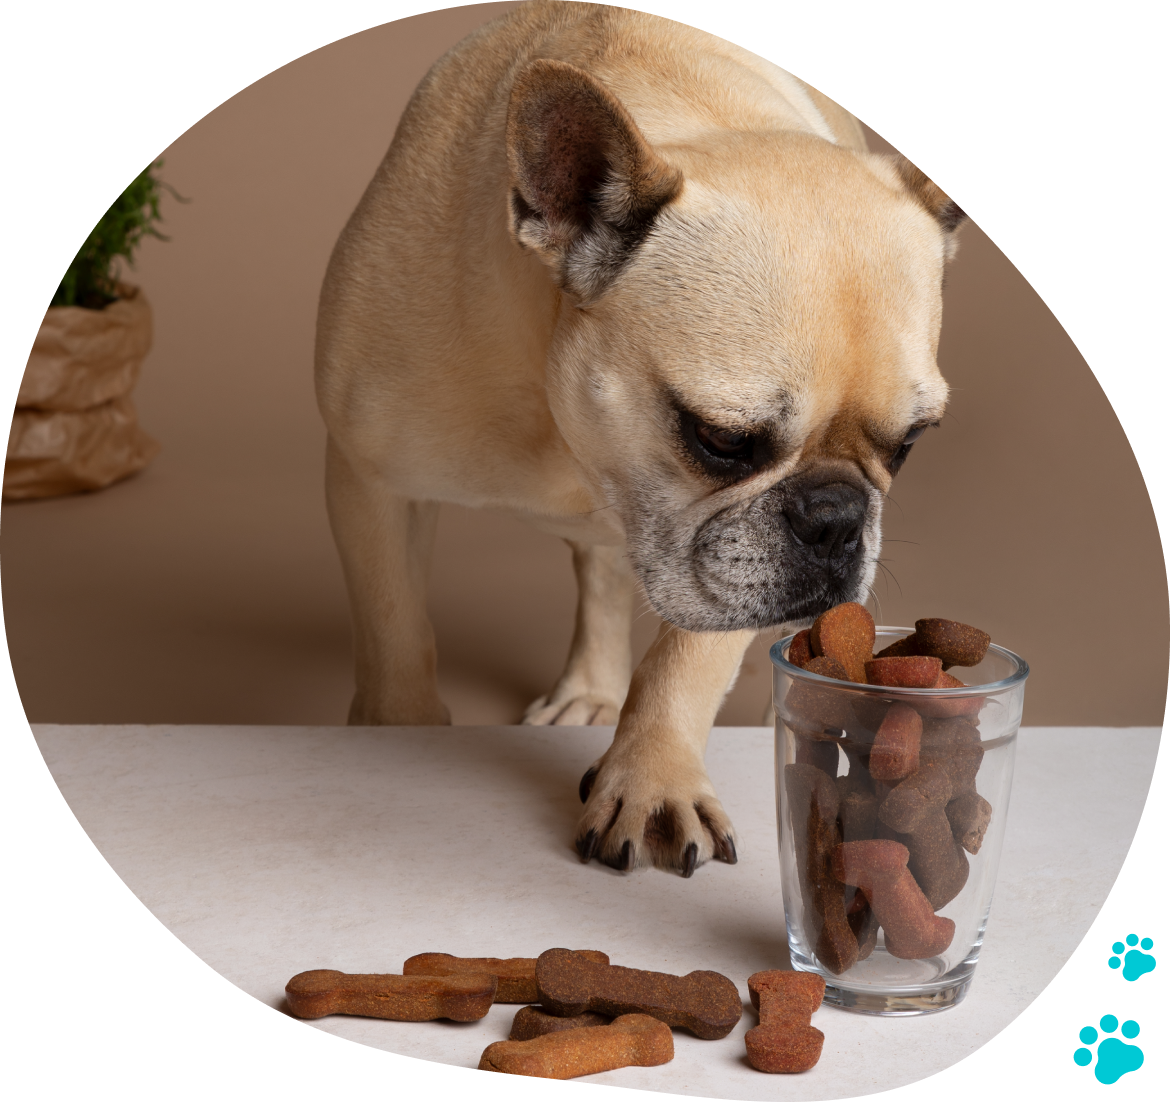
(75, 427)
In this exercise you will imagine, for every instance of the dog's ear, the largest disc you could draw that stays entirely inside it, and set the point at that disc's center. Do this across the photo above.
(586, 186)
(946, 211)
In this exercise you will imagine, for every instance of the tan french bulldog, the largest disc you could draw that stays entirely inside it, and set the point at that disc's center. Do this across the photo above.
(650, 292)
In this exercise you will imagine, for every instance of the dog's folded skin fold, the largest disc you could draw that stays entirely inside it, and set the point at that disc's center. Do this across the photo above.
(643, 288)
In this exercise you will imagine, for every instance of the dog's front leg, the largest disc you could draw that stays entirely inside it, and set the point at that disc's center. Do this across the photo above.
(597, 674)
(649, 799)
(385, 544)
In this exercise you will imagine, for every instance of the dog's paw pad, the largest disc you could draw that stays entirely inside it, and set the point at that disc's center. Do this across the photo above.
(1114, 1058)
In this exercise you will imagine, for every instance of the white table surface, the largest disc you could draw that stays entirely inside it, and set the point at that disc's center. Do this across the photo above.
(269, 851)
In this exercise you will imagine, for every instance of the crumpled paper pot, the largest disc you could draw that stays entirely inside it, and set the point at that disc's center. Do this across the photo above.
(75, 427)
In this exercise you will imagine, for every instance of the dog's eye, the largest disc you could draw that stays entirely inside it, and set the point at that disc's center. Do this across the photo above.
(899, 457)
(724, 444)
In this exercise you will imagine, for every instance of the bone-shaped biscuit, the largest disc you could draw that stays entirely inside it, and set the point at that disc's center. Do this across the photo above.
(465, 998)
(706, 1003)
(632, 1040)
(531, 1021)
(517, 975)
(878, 867)
(784, 1041)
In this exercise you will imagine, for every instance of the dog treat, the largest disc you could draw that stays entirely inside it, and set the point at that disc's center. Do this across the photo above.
(956, 644)
(846, 633)
(631, 1040)
(937, 860)
(864, 924)
(904, 673)
(817, 749)
(517, 975)
(906, 805)
(895, 747)
(949, 707)
(954, 744)
(969, 816)
(820, 707)
(706, 1003)
(879, 867)
(905, 647)
(813, 804)
(800, 649)
(462, 998)
(784, 1041)
(531, 1021)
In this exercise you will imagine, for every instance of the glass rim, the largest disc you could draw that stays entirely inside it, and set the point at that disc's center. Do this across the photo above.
(988, 688)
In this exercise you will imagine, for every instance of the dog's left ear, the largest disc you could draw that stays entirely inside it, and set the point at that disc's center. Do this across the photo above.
(586, 186)
(946, 211)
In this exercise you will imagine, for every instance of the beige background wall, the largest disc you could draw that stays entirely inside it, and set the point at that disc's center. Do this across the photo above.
(207, 588)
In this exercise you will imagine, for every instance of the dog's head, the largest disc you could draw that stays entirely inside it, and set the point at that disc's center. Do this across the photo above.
(746, 347)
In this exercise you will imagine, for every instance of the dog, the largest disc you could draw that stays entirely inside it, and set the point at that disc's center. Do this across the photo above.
(651, 293)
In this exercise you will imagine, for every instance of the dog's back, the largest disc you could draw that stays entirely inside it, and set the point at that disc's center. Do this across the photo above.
(428, 302)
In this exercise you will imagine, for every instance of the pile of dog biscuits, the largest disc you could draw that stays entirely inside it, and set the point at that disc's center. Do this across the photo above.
(592, 1016)
(885, 845)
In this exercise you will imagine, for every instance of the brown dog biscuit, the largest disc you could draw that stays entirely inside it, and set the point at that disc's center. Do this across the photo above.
(845, 632)
(517, 975)
(462, 998)
(906, 647)
(784, 1041)
(800, 649)
(879, 867)
(969, 816)
(909, 672)
(956, 644)
(895, 746)
(954, 744)
(631, 1040)
(929, 786)
(818, 750)
(819, 707)
(706, 1003)
(813, 804)
(951, 706)
(531, 1021)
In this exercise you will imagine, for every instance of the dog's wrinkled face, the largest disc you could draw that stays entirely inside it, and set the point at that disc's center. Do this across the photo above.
(745, 376)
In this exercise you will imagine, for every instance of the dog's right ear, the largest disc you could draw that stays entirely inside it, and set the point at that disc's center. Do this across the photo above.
(586, 186)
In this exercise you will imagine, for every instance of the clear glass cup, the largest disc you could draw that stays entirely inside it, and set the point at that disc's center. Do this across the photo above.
(951, 816)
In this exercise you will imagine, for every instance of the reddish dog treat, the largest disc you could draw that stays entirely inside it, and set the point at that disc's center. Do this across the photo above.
(812, 812)
(937, 861)
(784, 1041)
(969, 816)
(878, 866)
(819, 750)
(706, 1003)
(895, 747)
(517, 975)
(956, 644)
(845, 633)
(907, 804)
(531, 1021)
(864, 924)
(817, 708)
(946, 707)
(828, 667)
(632, 1040)
(800, 649)
(464, 998)
(953, 744)
(905, 647)
(904, 673)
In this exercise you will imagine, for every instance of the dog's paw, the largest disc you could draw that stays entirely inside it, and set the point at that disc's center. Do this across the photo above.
(572, 709)
(633, 819)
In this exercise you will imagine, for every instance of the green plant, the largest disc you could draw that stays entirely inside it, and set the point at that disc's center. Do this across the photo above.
(92, 277)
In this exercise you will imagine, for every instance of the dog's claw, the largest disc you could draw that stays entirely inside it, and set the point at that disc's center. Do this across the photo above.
(690, 857)
(586, 785)
(725, 850)
(622, 861)
(587, 846)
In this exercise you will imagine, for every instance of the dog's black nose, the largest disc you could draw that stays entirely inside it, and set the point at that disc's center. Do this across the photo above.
(827, 518)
